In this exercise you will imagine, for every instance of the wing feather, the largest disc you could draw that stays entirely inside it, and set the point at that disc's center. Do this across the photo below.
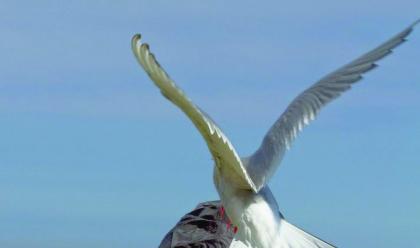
(219, 145)
(304, 108)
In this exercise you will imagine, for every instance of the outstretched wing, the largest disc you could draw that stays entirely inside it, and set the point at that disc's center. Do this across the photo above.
(220, 147)
(304, 108)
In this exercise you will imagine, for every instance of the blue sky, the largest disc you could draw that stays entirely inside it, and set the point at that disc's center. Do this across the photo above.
(91, 155)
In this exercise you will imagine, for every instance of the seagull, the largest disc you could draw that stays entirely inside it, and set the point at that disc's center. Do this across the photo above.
(241, 182)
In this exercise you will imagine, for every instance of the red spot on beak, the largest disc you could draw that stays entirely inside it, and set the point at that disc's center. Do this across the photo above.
(235, 229)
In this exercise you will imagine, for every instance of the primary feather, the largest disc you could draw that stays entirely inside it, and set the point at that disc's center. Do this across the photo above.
(219, 145)
(304, 108)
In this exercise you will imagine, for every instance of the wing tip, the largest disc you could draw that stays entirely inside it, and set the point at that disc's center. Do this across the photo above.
(410, 29)
(136, 37)
(135, 43)
(141, 50)
(415, 23)
(135, 40)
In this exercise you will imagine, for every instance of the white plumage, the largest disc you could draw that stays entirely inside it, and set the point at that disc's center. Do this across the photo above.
(241, 182)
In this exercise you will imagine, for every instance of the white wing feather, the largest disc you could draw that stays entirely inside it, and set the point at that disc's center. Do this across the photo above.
(304, 108)
(220, 147)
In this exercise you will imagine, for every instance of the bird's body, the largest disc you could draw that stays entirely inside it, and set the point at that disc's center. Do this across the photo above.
(255, 214)
(258, 219)
(242, 182)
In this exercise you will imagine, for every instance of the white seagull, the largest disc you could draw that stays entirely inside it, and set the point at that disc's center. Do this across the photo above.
(242, 181)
